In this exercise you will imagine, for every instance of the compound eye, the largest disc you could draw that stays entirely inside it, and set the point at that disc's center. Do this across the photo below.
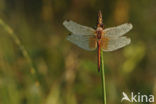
(102, 25)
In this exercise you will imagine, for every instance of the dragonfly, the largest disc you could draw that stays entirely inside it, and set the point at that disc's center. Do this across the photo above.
(107, 39)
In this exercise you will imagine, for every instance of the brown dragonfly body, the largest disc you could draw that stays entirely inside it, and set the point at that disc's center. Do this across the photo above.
(99, 32)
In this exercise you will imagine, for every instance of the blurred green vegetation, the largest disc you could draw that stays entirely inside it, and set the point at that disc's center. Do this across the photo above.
(39, 66)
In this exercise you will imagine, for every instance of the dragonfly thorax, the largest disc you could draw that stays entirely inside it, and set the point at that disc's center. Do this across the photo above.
(99, 32)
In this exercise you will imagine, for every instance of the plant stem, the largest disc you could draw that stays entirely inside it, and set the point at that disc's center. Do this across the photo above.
(103, 78)
(11, 33)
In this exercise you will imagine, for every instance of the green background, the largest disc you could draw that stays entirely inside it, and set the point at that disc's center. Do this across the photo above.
(45, 68)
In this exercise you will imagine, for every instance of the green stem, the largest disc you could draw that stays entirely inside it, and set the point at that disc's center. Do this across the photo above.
(103, 78)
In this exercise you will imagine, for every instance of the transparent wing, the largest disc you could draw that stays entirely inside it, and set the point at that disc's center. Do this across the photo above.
(78, 29)
(116, 43)
(118, 30)
(83, 41)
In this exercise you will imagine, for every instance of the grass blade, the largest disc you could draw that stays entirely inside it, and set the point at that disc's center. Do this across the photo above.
(11, 33)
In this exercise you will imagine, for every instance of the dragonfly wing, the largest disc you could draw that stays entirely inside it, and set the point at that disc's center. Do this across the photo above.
(116, 43)
(78, 29)
(118, 30)
(87, 42)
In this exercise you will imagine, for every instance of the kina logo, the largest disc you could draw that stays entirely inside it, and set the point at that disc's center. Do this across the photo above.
(137, 97)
